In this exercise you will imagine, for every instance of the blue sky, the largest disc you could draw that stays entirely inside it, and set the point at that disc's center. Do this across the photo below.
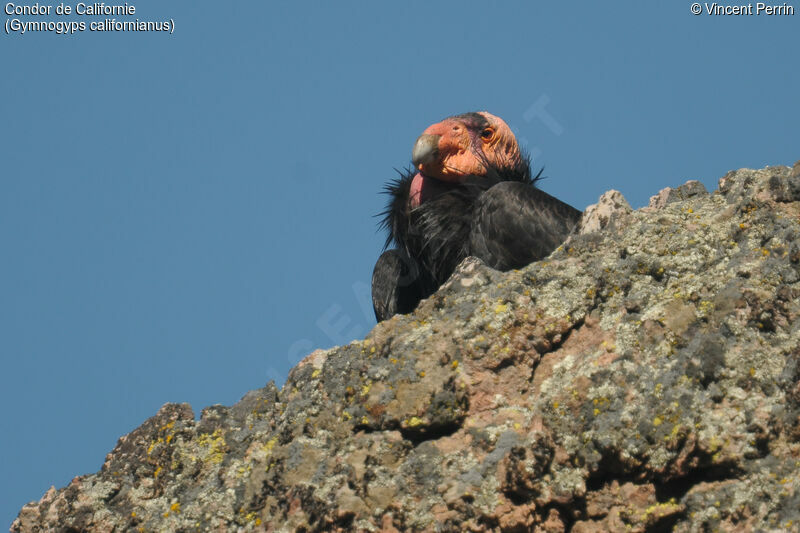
(183, 217)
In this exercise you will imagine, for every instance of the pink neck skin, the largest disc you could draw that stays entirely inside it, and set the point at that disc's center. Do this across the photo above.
(415, 194)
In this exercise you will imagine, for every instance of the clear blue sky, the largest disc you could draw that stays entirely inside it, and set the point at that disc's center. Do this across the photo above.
(183, 217)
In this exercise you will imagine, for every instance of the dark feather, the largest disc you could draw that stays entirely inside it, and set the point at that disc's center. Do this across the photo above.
(515, 224)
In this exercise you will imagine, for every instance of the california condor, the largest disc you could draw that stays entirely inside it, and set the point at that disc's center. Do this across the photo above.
(471, 193)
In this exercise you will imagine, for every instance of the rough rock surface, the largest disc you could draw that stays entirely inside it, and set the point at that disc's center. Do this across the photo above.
(644, 377)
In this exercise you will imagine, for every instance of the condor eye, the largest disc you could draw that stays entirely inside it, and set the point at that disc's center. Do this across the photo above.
(487, 134)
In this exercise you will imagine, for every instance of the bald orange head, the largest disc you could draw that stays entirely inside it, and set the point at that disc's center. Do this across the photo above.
(464, 145)
(458, 147)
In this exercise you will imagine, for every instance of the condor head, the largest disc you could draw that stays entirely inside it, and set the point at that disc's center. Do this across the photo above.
(459, 147)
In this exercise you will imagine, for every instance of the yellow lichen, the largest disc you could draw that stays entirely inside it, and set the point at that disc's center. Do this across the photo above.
(154, 444)
(175, 507)
(414, 421)
(215, 442)
(705, 307)
(252, 517)
(660, 508)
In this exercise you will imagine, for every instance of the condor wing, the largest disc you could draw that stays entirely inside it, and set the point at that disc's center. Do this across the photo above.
(515, 224)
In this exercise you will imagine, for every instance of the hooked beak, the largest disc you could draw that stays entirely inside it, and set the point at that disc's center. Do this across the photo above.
(426, 149)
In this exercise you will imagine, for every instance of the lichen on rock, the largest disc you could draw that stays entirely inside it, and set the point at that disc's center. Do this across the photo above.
(644, 377)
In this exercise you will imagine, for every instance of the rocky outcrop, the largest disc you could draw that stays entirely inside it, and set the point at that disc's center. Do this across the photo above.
(644, 377)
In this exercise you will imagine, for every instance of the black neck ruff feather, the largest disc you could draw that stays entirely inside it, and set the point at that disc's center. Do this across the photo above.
(436, 232)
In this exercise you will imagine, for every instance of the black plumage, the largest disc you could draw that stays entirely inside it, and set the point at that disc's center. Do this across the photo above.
(499, 216)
